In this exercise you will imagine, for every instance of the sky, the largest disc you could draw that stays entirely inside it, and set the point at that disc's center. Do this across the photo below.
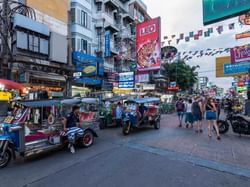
(184, 16)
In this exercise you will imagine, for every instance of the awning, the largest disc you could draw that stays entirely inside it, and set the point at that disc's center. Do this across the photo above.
(8, 84)
(40, 103)
(47, 76)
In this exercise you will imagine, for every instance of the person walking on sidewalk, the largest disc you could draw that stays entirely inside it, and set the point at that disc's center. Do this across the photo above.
(211, 117)
(180, 109)
(189, 116)
(197, 111)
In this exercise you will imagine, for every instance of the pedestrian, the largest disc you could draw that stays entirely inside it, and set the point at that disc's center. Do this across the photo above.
(71, 127)
(218, 107)
(197, 111)
(118, 114)
(189, 116)
(211, 117)
(180, 109)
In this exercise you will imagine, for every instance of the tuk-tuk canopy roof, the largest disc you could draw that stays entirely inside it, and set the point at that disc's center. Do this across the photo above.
(147, 100)
(117, 98)
(90, 100)
(73, 101)
(40, 103)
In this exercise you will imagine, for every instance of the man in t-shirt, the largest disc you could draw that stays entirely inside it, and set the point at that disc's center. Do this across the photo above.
(71, 122)
(180, 109)
(197, 110)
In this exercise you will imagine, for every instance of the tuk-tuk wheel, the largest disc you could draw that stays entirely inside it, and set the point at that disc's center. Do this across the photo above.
(87, 139)
(6, 159)
(157, 124)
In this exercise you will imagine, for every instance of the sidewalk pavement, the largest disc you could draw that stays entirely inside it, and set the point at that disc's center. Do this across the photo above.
(231, 149)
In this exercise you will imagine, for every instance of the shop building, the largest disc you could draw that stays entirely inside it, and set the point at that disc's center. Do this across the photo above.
(39, 46)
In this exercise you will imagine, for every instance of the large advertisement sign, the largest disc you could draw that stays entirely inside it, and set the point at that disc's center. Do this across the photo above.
(240, 54)
(148, 45)
(218, 10)
(126, 80)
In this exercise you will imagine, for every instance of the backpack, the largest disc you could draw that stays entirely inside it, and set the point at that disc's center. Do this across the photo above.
(196, 108)
(180, 106)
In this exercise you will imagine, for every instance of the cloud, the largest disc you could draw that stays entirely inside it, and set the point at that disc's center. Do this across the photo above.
(184, 16)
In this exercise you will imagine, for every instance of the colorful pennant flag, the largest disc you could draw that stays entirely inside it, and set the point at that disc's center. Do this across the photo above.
(187, 39)
(173, 36)
(181, 36)
(165, 37)
(196, 37)
(191, 34)
(210, 30)
(177, 41)
(220, 29)
(200, 32)
(231, 26)
(206, 34)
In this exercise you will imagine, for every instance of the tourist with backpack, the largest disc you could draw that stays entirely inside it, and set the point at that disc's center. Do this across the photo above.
(197, 110)
(180, 109)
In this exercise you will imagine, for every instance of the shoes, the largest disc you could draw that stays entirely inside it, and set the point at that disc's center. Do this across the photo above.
(186, 125)
(218, 138)
(180, 125)
(201, 131)
(72, 149)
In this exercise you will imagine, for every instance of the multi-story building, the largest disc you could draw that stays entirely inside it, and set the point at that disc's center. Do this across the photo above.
(39, 47)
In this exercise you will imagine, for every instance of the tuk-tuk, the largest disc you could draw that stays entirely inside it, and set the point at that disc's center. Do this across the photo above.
(108, 111)
(37, 127)
(141, 113)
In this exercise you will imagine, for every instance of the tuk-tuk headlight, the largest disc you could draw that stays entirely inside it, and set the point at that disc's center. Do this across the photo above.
(1, 129)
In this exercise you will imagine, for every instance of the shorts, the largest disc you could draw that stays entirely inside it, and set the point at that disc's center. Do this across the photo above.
(189, 118)
(211, 115)
(197, 117)
(180, 114)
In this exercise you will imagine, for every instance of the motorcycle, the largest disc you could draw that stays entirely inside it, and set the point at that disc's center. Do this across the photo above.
(240, 124)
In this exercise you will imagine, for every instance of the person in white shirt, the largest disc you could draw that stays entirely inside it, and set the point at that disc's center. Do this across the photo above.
(189, 116)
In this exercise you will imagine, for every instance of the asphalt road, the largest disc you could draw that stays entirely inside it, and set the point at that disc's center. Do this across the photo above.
(114, 161)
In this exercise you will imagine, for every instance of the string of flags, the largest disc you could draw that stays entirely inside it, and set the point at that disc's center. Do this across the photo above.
(197, 35)
(188, 55)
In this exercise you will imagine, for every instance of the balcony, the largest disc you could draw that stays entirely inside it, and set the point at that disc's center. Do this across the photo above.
(114, 48)
(111, 28)
(128, 17)
(112, 4)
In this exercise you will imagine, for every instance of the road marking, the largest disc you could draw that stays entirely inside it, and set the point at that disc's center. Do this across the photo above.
(172, 155)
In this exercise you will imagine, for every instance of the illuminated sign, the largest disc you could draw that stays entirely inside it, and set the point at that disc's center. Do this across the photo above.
(89, 69)
(240, 54)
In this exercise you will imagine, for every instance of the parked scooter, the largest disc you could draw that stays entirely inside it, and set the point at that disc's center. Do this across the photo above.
(240, 124)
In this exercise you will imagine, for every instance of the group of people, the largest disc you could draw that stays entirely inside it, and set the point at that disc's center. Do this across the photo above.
(195, 110)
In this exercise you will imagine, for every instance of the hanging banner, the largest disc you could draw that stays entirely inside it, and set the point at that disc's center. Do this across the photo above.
(148, 45)
(107, 44)
(240, 54)
(140, 78)
(242, 35)
(218, 10)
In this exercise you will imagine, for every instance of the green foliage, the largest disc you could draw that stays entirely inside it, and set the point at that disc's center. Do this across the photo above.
(182, 73)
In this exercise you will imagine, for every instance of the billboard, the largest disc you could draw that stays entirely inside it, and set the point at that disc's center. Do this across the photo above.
(56, 8)
(240, 54)
(218, 10)
(126, 80)
(224, 67)
(148, 45)
(232, 69)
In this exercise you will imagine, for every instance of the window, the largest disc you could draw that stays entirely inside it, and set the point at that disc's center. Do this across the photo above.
(73, 15)
(44, 46)
(99, 6)
(84, 46)
(84, 19)
(33, 43)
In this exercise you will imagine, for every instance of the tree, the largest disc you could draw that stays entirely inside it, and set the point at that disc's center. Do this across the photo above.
(184, 75)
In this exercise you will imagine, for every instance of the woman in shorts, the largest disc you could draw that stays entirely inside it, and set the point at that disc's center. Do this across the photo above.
(211, 117)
